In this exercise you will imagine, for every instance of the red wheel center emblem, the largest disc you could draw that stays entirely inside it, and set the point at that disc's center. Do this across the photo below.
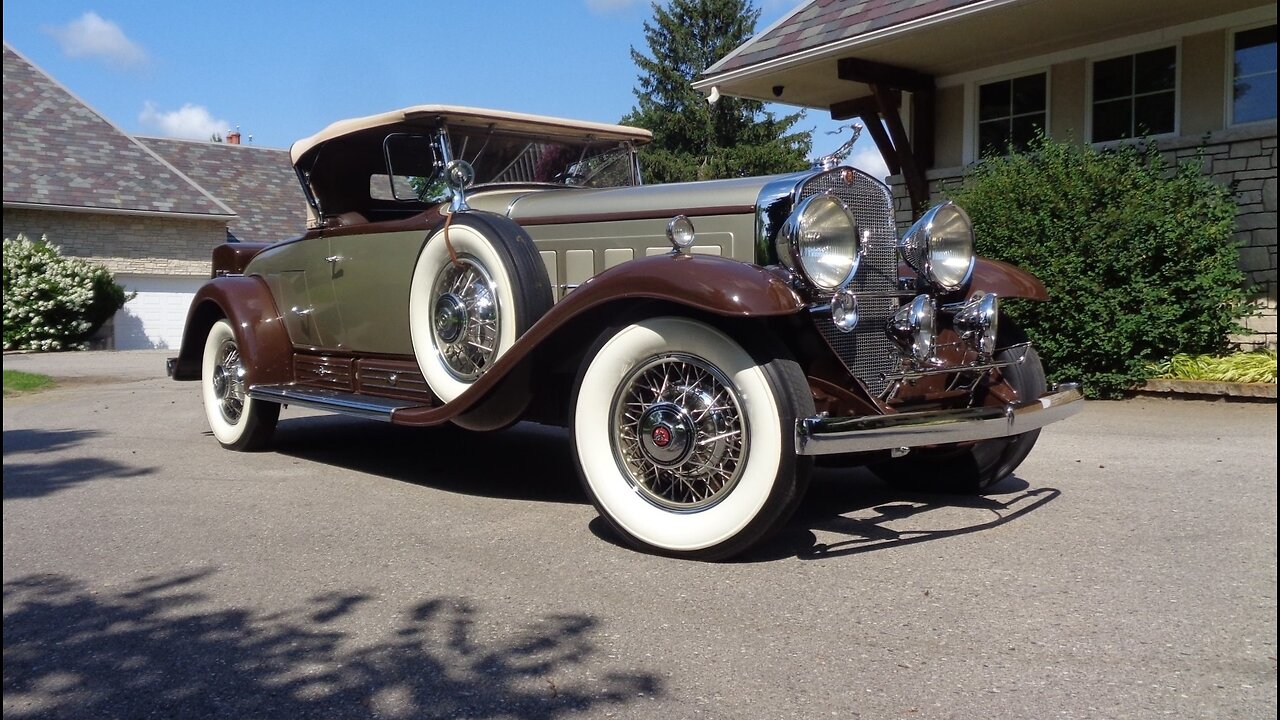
(661, 436)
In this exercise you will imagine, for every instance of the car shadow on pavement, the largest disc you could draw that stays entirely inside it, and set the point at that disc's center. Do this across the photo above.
(161, 647)
(524, 462)
(851, 511)
(37, 479)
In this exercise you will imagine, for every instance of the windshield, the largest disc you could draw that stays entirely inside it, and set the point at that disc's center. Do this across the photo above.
(505, 157)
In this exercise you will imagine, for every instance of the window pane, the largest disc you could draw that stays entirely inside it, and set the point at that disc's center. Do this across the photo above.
(1153, 114)
(1155, 70)
(993, 100)
(1028, 94)
(1025, 129)
(1113, 78)
(1111, 120)
(993, 137)
(1256, 51)
(1255, 98)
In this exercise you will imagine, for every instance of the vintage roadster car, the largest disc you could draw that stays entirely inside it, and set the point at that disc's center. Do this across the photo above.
(703, 342)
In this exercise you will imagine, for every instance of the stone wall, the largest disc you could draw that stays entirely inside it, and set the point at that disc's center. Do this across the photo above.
(132, 244)
(1245, 157)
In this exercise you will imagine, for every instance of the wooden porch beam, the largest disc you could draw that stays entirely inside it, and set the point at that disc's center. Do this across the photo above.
(875, 128)
(859, 107)
(868, 110)
(912, 173)
(870, 72)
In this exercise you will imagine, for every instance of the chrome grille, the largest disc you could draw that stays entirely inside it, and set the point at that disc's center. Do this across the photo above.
(867, 351)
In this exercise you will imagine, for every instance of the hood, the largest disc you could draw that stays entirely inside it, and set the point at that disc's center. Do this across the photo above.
(708, 197)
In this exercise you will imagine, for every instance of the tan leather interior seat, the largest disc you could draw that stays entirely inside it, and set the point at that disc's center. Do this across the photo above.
(349, 218)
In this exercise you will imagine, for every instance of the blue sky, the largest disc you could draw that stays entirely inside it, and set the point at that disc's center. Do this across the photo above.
(282, 70)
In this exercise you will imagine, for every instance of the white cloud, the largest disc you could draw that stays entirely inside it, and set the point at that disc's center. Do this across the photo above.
(90, 36)
(605, 6)
(191, 122)
(869, 160)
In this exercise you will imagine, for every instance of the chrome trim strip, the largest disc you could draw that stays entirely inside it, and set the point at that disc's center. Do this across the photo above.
(976, 367)
(365, 406)
(825, 436)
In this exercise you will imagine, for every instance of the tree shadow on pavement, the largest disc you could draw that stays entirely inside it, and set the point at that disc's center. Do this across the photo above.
(20, 441)
(37, 479)
(158, 647)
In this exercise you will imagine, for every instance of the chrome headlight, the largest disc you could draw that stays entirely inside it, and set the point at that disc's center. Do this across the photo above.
(820, 241)
(939, 247)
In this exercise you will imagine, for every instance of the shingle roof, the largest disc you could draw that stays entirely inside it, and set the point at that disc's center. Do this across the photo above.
(58, 151)
(257, 182)
(825, 21)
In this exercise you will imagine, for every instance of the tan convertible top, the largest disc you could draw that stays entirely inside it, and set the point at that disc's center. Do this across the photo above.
(430, 115)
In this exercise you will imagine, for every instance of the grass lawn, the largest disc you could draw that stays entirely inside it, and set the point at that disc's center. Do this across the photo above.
(16, 381)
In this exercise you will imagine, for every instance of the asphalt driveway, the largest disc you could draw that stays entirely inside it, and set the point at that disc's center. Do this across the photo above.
(1128, 570)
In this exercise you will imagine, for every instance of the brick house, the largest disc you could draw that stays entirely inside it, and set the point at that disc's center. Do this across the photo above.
(149, 209)
(938, 83)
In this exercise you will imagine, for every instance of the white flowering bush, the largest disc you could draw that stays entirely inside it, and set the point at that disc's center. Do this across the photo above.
(53, 302)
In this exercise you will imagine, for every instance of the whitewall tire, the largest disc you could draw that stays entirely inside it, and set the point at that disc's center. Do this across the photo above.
(467, 308)
(238, 421)
(686, 441)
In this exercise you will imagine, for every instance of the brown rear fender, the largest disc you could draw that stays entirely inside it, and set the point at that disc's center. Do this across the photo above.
(704, 284)
(1006, 281)
(245, 301)
(232, 258)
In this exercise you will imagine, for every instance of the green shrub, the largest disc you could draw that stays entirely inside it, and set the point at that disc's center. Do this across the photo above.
(1138, 257)
(53, 302)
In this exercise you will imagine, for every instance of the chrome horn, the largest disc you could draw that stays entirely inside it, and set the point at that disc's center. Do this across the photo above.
(913, 328)
(977, 322)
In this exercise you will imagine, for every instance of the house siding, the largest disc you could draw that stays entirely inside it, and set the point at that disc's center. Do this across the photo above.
(1203, 98)
(125, 243)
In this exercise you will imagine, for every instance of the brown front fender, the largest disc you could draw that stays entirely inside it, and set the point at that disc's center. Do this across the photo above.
(707, 282)
(1006, 281)
(703, 283)
(245, 301)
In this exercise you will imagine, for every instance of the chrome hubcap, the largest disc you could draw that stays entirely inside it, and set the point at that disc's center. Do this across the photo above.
(464, 318)
(228, 382)
(678, 433)
(450, 317)
(666, 434)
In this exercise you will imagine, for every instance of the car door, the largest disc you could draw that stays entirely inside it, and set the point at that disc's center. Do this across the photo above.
(370, 285)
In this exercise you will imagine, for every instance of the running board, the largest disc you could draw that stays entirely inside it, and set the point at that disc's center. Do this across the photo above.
(365, 406)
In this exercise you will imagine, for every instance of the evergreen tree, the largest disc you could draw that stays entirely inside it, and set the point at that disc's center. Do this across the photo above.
(694, 140)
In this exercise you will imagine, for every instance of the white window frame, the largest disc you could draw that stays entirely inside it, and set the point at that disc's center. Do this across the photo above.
(1228, 80)
(1128, 45)
(972, 97)
(1177, 91)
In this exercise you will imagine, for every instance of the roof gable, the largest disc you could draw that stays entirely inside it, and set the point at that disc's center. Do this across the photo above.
(60, 152)
(258, 183)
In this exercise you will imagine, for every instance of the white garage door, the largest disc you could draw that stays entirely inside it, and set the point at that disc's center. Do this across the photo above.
(154, 318)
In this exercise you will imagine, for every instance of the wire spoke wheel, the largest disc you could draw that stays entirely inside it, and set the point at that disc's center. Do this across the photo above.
(465, 318)
(238, 421)
(678, 432)
(478, 285)
(685, 440)
(228, 382)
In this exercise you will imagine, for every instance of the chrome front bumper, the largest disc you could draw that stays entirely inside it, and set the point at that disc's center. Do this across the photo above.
(826, 435)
